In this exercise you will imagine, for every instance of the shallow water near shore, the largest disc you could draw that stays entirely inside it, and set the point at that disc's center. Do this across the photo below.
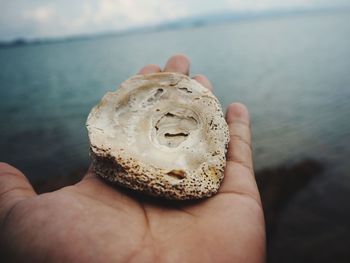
(292, 73)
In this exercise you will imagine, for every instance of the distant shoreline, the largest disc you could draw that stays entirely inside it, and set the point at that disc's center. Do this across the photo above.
(188, 22)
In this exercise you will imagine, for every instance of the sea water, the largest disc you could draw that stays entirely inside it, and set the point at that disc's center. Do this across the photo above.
(293, 73)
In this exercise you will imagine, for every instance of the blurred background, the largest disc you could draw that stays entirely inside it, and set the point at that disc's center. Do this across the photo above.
(288, 61)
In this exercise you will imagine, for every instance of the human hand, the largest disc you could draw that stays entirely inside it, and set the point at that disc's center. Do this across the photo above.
(93, 221)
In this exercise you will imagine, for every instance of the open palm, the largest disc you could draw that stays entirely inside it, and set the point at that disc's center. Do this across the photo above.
(93, 221)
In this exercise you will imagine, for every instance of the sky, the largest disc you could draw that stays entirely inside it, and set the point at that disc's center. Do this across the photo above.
(47, 18)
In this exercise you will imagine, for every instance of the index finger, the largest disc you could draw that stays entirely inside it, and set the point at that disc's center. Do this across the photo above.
(149, 69)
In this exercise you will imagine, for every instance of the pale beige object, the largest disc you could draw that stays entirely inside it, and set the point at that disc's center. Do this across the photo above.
(163, 134)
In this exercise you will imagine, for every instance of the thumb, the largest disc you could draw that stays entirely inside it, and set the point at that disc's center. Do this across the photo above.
(14, 187)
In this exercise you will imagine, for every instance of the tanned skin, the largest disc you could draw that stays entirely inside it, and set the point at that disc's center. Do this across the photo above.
(93, 221)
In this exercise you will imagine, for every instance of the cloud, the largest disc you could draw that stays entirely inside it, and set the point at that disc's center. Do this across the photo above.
(50, 18)
(40, 14)
(258, 5)
(100, 15)
(137, 12)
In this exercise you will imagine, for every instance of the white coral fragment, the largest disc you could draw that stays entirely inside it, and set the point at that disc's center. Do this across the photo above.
(163, 134)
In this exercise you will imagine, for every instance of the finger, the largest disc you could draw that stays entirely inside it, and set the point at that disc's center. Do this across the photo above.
(14, 187)
(239, 175)
(178, 63)
(149, 69)
(204, 81)
(240, 148)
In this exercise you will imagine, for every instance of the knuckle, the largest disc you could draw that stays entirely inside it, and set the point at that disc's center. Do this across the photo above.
(241, 140)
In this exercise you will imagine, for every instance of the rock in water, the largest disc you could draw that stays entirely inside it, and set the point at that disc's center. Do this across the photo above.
(163, 134)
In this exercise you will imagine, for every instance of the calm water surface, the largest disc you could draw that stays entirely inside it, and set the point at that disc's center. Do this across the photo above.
(292, 73)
